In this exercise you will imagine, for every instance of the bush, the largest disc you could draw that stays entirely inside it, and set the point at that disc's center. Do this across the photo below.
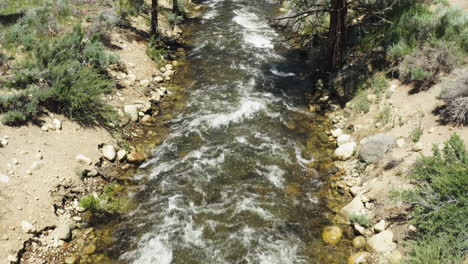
(107, 202)
(439, 204)
(416, 133)
(455, 95)
(71, 83)
(363, 220)
(424, 65)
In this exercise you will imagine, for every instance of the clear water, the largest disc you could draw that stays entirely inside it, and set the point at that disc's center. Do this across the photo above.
(232, 182)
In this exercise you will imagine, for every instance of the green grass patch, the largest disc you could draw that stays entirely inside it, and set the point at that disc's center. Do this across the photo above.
(416, 133)
(108, 201)
(361, 219)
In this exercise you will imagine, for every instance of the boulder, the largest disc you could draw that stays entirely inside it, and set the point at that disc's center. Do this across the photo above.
(343, 139)
(345, 151)
(355, 207)
(381, 242)
(108, 151)
(132, 112)
(359, 242)
(360, 257)
(83, 159)
(332, 235)
(375, 147)
(28, 227)
(136, 157)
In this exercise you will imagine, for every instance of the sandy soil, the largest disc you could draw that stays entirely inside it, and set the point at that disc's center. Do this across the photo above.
(28, 197)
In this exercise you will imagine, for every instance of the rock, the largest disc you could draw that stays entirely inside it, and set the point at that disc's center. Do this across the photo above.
(145, 83)
(36, 165)
(168, 73)
(332, 235)
(92, 173)
(345, 151)
(375, 147)
(355, 207)
(355, 190)
(63, 232)
(360, 257)
(12, 259)
(136, 157)
(146, 119)
(108, 151)
(4, 178)
(401, 142)
(175, 63)
(3, 142)
(337, 132)
(417, 147)
(76, 219)
(45, 128)
(90, 249)
(380, 226)
(396, 257)
(121, 155)
(343, 139)
(28, 227)
(132, 77)
(381, 242)
(176, 30)
(57, 124)
(155, 97)
(71, 260)
(169, 67)
(158, 79)
(359, 242)
(83, 159)
(132, 112)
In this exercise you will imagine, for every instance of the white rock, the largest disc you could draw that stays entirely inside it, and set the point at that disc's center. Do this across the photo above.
(343, 139)
(380, 226)
(132, 112)
(168, 73)
(360, 229)
(131, 77)
(155, 97)
(12, 259)
(3, 142)
(145, 83)
(169, 67)
(355, 207)
(27, 227)
(108, 151)
(83, 159)
(417, 147)
(121, 155)
(337, 132)
(62, 232)
(37, 165)
(158, 79)
(57, 124)
(355, 190)
(4, 178)
(401, 142)
(76, 219)
(381, 242)
(45, 128)
(345, 151)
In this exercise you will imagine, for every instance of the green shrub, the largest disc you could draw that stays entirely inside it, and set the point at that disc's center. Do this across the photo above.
(95, 55)
(361, 219)
(89, 202)
(416, 133)
(439, 204)
(385, 115)
(156, 53)
(107, 202)
(455, 95)
(361, 104)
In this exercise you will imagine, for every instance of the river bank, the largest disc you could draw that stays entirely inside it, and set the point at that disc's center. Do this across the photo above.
(50, 166)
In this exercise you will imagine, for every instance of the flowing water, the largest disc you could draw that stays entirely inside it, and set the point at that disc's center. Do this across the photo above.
(233, 182)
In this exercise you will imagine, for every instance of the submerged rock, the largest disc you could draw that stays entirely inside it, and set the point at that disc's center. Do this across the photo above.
(136, 157)
(359, 242)
(332, 234)
(360, 257)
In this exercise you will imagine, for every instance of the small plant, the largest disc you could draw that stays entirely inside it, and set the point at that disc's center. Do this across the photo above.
(89, 202)
(378, 83)
(361, 219)
(362, 104)
(156, 53)
(416, 133)
(455, 95)
(401, 121)
(107, 202)
(385, 116)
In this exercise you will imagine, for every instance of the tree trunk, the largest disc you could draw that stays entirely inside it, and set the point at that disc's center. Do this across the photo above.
(154, 18)
(337, 35)
(175, 7)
